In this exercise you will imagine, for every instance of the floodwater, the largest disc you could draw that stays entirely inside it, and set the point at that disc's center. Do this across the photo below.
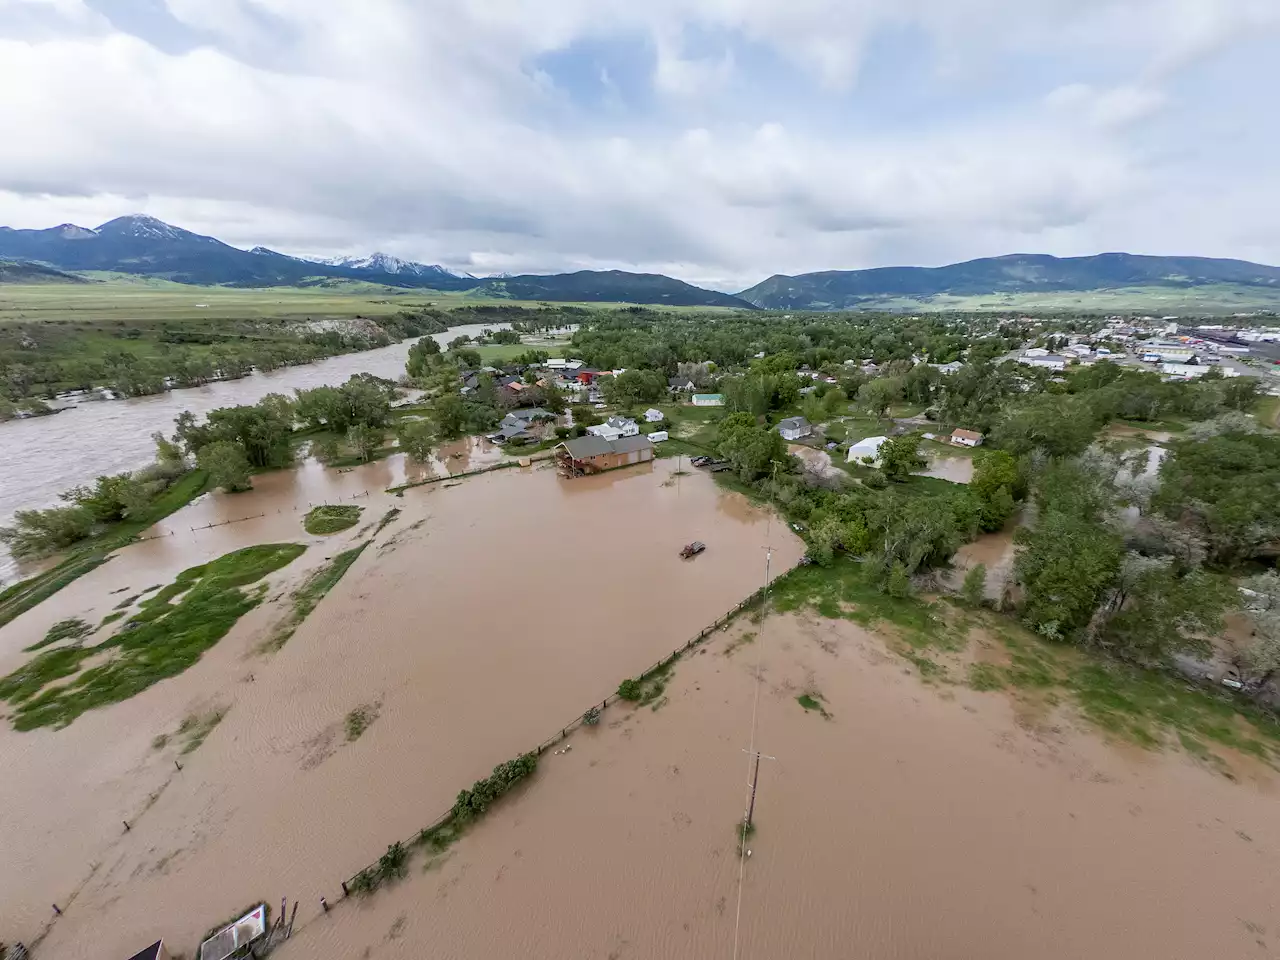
(44, 456)
(906, 825)
(490, 613)
(957, 469)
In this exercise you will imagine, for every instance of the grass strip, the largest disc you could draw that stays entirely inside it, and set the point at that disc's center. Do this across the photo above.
(331, 518)
(308, 596)
(162, 640)
(20, 597)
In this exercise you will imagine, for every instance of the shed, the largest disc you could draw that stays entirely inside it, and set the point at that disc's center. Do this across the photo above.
(653, 415)
(868, 449)
(708, 400)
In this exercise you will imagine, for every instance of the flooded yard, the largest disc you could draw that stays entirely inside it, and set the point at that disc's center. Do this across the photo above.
(901, 824)
(488, 614)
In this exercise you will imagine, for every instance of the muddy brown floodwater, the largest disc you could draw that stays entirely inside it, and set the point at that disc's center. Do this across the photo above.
(906, 824)
(491, 612)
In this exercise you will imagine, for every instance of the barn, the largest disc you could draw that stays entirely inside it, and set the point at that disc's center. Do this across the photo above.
(584, 455)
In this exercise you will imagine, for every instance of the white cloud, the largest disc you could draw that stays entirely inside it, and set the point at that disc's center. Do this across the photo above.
(434, 130)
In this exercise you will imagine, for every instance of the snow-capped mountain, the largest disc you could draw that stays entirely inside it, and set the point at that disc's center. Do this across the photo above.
(386, 263)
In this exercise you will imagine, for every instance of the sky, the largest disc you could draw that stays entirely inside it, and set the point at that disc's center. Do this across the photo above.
(718, 141)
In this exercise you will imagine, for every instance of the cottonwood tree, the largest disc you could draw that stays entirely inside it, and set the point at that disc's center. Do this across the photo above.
(900, 457)
(226, 464)
(1258, 660)
(416, 439)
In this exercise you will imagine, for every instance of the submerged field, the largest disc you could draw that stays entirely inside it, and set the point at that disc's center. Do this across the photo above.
(471, 627)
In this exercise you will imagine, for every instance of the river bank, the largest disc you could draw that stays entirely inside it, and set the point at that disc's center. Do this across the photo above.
(47, 455)
(479, 613)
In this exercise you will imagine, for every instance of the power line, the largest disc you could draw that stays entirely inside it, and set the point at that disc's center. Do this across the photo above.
(753, 761)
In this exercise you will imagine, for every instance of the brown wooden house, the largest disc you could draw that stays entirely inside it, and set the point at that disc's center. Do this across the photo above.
(584, 455)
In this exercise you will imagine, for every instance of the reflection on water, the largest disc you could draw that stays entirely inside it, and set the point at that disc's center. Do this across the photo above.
(488, 614)
(45, 455)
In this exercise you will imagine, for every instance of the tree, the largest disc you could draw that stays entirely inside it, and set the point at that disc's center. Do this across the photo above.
(423, 355)
(975, 585)
(1224, 489)
(263, 430)
(109, 499)
(416, 439)
(877, 395)
(1258, 660)
(450, 416)
(1067, 564)
(998, 483)
(363, 440)
(634, 386)
(167, 451)
(226, 464)
(35, 533)
(553, 398)
(754, 451)
(898, 583)
(1061, 426)
(1162, 613)
(900, 457)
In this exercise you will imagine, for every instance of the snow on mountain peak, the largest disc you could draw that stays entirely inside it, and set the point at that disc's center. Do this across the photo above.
(386, 263)
(141, 225)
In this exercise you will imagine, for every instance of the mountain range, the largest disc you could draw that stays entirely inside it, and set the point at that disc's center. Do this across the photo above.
(149, 247)
(1018, 273)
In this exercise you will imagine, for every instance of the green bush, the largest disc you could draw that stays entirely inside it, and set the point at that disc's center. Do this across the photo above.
(330, 518)
(473, 803)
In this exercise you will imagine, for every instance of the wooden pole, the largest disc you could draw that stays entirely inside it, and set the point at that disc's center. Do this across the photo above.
(292, 917)
(755, 779)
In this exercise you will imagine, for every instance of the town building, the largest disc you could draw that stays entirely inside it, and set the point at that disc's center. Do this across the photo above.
(966, 438)
(1170, 352)
(590, 454)
(794, 428)
(867, 450)
(1185, 371)
(1048, 361)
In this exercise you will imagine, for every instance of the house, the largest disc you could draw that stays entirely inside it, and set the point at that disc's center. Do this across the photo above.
(1035, 352)
(966, 438)
(585, 455)
(654, 415)
(1049, 362)
(680, 385)
(657, 436)
(530, 414)
(615, 427)
(867, 450)
(794, 428)
(947, 368)
(708, 400)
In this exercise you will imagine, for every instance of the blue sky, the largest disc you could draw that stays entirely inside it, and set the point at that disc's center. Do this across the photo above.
(720, 141)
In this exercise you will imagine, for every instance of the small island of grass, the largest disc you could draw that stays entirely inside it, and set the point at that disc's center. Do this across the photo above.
(330, 518)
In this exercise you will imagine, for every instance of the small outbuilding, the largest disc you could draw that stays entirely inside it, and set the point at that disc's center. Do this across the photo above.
(654, 415)
(867, 450)
(708, 400)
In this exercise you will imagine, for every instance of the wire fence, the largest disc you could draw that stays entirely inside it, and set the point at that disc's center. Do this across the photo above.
(401, 488)
(753, 600)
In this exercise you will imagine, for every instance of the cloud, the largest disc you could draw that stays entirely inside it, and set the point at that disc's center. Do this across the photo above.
(757, 138)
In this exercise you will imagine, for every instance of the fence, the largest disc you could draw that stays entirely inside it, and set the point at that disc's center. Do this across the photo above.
(401, 488)
(719, 624)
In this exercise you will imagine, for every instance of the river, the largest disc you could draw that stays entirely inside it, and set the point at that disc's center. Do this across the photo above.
(45, 455)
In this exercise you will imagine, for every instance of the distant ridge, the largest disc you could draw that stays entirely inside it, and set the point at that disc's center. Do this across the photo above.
(1012, 274)
(146, 246)
(20, 271)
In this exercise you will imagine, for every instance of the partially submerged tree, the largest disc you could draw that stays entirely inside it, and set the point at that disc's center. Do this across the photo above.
(226, 464)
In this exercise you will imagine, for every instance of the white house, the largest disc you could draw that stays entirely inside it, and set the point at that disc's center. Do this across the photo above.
(615, 427)
(653, 415)
(1049, 361)
(708, 400)
(966, 438)
(868, 449)
(1035, 352)
(794, 428)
